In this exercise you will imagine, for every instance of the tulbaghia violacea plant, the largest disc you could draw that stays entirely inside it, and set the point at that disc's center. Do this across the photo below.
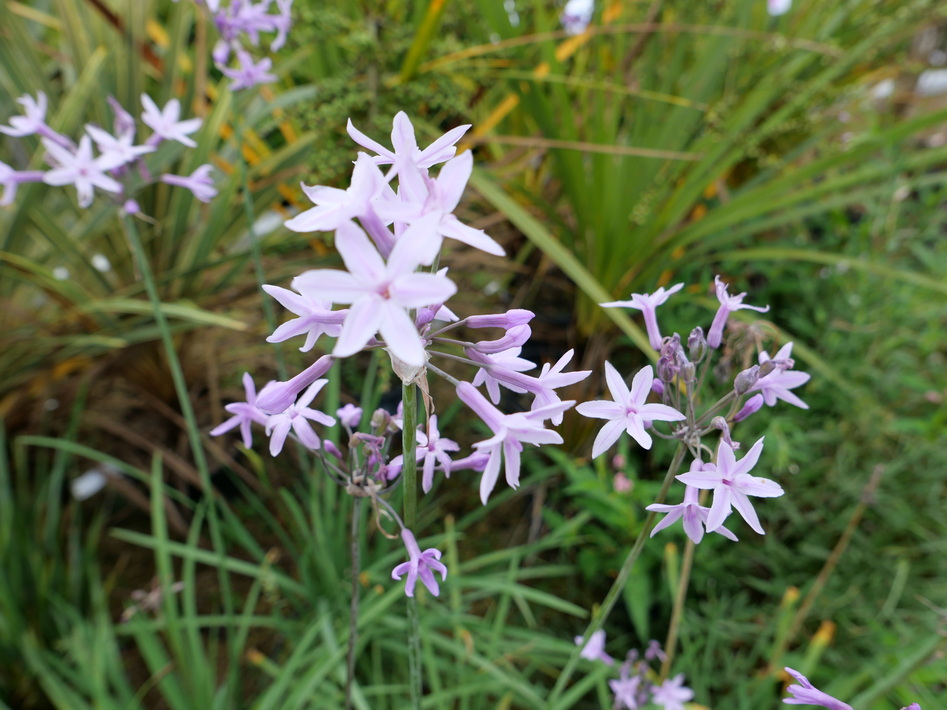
(119, 167)
(802, 692)
(390, 227)
(684, 414)
(239, 24)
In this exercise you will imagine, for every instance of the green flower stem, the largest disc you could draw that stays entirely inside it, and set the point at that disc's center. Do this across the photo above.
(599, 617)
(353, 608)
(409, 487)
(670, 644)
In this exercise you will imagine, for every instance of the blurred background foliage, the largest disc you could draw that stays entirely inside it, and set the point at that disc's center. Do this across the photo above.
(671, 141)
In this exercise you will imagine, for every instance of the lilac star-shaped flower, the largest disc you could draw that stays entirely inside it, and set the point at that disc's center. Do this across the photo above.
(732, 485)
(200, 183)
(552, 378)
(244, 414)
(116, 151)
(315, 316)
(647, 303)
(728, 304)
(807, 694)
(671, 694)
(379, 293)
(626, 691)
(511, 431)
(776, 385)
(164, 122)
(628, 412)
(420, 565)
(690, 511)
(33, 119)
(249, 74)
(501, 368)
(297, 418)
(432, 449)
(79, 169)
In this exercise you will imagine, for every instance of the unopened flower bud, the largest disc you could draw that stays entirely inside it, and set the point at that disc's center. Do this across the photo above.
(697, 344)
(349, 415)
(515, 337)
(332, 449)
(666, 370)
(513, 317)
(752, 406)
(746, 379)
(688, 371)
(767, 367)
(657, 387)
(380, 420)
(277, 397)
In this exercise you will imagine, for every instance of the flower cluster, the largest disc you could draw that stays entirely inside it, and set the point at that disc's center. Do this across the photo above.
(807, 694)
(240, 24)
(119, 165)
(390, 226)
(681, 371)
(635, 686)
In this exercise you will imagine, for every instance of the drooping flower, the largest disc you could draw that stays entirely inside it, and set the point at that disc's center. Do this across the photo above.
(594, 650)
(672, 694)
(728, 304)
(647, 303)
(732, 485)
(693, 514)
(807, 694)
(78, 168)
(420, 565)
(244, 414)
(775, 386)
(511, 431)
(164, 122)
(628, 412)
(379, 293)
(199, 182)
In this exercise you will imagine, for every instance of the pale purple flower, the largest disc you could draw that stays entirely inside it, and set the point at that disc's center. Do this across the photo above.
(501, 368)
(11, 179)
(116, 151)
(807, 694)
(298, 417)
(164, 122)
(513, 317)
(752, 406)
(33, 119)
(628, 412)
(776, 385)
(594, 650)
(626, 691)
(728, 304)
(276, 397)
(379, 293)
(647, 303)
(281, 23)
(200, 183)
(335, 206)
(249, 74)
(552, 378)
(443, 195)
(576, 16)
(421, 565)
(732, 485)
(778, 7)
(315, 316)
(693, 514)
(349, 415)
(671, 694)
(432, 449)
(78, 168)
(912, 706)
(515, 337)
(407, 159)
(511, 431)
(244, 414)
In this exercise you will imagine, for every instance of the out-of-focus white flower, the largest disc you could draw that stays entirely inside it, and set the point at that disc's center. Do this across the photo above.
(778, 7)
(576, 16)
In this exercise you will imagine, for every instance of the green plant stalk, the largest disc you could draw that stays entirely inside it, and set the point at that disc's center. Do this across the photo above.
(409, 487)
(599, 617)
(187, 409)
(353, 605)
(670, 644)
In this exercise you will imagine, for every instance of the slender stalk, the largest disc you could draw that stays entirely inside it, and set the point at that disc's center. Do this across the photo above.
(353, 605)
(409, 487)
(670, 644)
(599, 617)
